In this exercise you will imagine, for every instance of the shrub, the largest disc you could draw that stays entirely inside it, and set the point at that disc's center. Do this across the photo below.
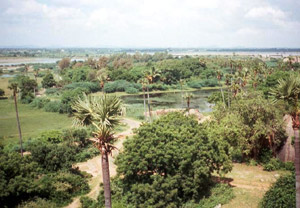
(120, 86)
(38, 203)
(282, 194)
(52, 157)
(53, 106)
(48, 81)
(88, 87)
(39, 102)
(131, 90)
(52, 91)
(52, 136)
(218, 194)
(87, 202)
(195, 84)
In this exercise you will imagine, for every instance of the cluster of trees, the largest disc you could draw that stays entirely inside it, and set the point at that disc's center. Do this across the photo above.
(45, 175)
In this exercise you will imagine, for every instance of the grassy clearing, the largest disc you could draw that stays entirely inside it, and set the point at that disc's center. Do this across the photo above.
(33, 121)
(250, 183)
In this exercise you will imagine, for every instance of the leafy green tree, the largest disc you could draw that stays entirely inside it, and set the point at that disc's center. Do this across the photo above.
(288, 90)
(103, 113)
(48, 81)
(170, 162)
(251, 124)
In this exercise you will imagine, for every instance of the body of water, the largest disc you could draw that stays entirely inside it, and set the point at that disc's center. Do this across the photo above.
(174, 100)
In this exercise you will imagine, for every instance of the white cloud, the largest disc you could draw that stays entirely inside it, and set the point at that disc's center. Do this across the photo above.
(266, 13)
(154, 23)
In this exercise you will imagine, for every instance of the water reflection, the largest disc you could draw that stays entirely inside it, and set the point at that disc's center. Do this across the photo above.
(174, 100)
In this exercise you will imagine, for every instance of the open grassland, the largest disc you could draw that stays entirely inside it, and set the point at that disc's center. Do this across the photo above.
(250, 183)
(33, 121)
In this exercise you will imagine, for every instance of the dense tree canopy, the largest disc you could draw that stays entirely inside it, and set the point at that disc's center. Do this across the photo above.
(170, 162)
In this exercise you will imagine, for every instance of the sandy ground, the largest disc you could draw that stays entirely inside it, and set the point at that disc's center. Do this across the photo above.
(93, 166)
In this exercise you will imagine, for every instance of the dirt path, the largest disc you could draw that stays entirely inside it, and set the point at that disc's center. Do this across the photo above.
(93, 166)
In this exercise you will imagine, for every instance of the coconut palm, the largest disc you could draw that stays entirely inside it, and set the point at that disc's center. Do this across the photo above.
(14, 87)
(219, 77)
(288, 90)
(36, 73)
(103, 113)
(144, 83)
(188, 97)
(103, 77)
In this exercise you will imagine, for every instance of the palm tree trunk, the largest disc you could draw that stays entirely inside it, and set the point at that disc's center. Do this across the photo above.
(144, 97)
(297, 166)
(222, 93)
(149, 104)
(18, 123)
(106, 179)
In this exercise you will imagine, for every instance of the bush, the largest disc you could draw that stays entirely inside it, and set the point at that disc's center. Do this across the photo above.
(252, 162)
(87, 202)
(275, 164)
(131, 90)
(52, 91)
(48, 81)
(53, 106)
(218, 194)
(120, 86)
(39, 103)
(52, 136)
(195, 84)
(52, 157)
(38, 203)
(88, 87)
(282, 194)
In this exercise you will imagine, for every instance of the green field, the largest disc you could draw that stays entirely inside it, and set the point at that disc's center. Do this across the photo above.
(33, 121)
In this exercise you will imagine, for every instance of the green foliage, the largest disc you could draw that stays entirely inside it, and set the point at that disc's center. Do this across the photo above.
(39, 102)
(52, 157)
(248, 125)
(218, 194)
(276, 164)
(121, 86)
(131, 90)
(170, 162)
(203, 83)
(48, 81)
(271, 82)
(282, 194)
(52, 136)
(53, 106)
(216, 97)
(87, 87)
(52, 91)
(38, 203)
(26, 86)
(87, 202)
(79, 74)
(273, 164)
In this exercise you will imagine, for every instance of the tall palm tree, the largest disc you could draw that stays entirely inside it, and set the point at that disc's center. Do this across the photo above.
(188, 97)
(219, 77)
(36, 73)
(14, 87)
(103, 113)
(144, 82)
(288, 90)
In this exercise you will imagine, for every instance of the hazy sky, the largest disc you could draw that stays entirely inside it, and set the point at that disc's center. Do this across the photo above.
(150, 23)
